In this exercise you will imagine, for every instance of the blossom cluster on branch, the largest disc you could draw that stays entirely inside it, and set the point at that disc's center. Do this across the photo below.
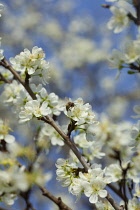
(102, 156)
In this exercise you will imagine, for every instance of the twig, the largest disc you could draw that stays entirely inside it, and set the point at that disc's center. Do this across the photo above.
(1, 208)
(2, 78)
(25, 196)
(58, 201)
(136, 4)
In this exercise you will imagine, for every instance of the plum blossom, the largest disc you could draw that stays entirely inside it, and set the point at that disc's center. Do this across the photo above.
(52, 99)
(134, 204)
(94, 189)
(80, 112)
(114, 171)
(32, 63)
(119, 21)
(91, 184)
(91, 149)
(116, 59)
(131, 51)
(7, 74)
(34, 108)
(4, 132)
(104, 205)
(50, 133)
(12, 91)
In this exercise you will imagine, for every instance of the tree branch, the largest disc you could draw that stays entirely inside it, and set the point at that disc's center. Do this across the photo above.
(114, 189)
(113, 203)
(6, 64)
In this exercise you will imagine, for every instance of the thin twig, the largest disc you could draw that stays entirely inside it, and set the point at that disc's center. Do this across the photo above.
(58, 201)
(2, 78)
(1, 208)
(25, 196)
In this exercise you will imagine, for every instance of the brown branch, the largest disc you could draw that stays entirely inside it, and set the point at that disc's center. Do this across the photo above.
(58, 201)
(25, 196)
(114, 189)
(136, 4)
(1, 208)
(113, 203)
(67, 141)
(6, 64)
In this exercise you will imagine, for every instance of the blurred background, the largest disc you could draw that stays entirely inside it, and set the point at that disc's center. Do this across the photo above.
(77, 43)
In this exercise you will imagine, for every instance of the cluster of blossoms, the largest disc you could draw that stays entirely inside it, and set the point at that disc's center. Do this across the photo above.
(80, 112)
(31, 63)
(91, 149)
(111, 140)
(116, 139)
(45, 104)
(130, 55)
(48, 133)
(120, 12)
(92, 184)
(15, 179)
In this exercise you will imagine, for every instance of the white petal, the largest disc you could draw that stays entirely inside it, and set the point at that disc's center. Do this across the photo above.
(102, 193)
(9, 138)
(93, 198)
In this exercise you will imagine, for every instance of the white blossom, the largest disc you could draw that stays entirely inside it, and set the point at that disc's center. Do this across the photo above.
(4, 132)
(104, 205)
(32, 63)
(80, 112)
(11, 92)
(119, 20)
(114, 171)
(34, 108)
(50, 133)
(116, 59)
(134, 204)
(52, 99)
(94, 189)
(131, 51)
